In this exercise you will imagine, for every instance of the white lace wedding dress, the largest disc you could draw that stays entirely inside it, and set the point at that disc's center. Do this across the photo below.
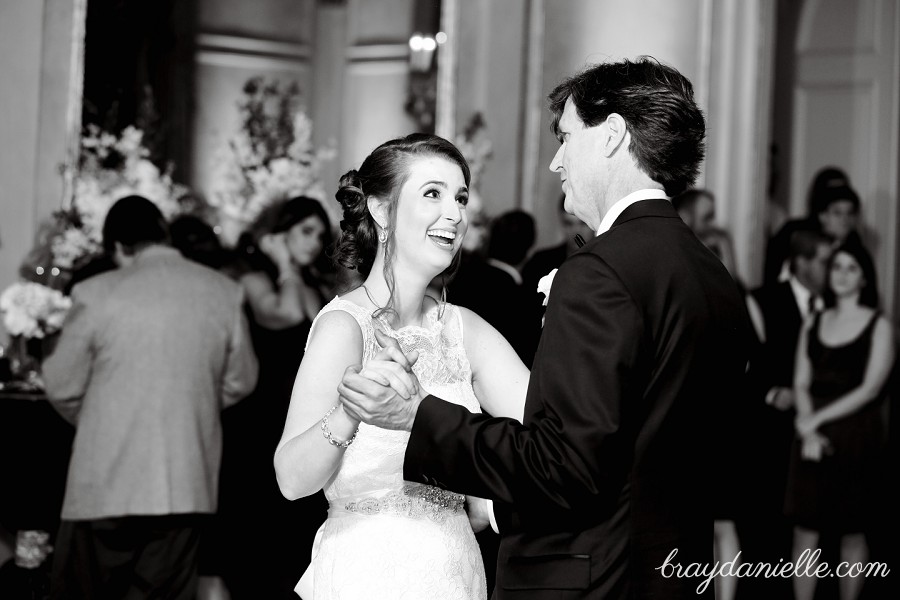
(386, 538)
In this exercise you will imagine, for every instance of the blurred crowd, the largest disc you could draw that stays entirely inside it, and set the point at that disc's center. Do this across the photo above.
(805, 468)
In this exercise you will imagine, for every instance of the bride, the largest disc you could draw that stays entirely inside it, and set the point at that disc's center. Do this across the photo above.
(386, 538)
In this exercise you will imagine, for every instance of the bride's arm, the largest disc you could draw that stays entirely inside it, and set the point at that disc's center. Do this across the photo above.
(499, 377)
(305, 460)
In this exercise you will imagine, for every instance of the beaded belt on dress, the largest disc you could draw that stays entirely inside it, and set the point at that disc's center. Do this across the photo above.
(413, 501)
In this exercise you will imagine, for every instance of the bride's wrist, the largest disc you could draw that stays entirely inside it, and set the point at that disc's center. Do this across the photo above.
(344, 416)
(338, 427)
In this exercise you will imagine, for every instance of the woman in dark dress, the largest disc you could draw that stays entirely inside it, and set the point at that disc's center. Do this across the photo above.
(286, 275)
(844, 358)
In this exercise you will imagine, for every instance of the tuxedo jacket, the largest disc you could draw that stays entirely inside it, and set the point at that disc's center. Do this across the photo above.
(610, 472)
(148, 357)
(774, 367)
(782, 323)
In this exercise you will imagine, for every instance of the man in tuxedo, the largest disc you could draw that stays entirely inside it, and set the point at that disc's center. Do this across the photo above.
(150, 353)
(780, 307)
(605, 488)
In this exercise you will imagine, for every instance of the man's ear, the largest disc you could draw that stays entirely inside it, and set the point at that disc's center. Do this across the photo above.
(378, 210)
(617, 133)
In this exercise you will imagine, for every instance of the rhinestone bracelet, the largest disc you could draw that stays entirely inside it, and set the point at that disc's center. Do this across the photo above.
(327, 432)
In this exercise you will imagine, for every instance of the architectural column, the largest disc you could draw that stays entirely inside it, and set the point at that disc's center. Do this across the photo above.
(740, 78)
(40, 113)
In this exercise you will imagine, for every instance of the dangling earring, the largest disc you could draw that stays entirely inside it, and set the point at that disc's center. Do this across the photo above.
(382, 236)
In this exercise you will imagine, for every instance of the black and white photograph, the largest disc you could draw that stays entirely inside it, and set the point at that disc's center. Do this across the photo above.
(449, 299)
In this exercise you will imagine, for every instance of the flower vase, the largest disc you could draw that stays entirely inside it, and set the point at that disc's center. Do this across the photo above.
(24, 357)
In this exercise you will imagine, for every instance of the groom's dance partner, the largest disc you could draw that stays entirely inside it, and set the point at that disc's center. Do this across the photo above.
(613, 467)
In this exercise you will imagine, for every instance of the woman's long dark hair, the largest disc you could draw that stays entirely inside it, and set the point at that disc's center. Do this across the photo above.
(280, 218)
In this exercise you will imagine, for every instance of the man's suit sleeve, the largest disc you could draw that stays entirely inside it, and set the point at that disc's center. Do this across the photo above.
(575, 451)
(67, 371)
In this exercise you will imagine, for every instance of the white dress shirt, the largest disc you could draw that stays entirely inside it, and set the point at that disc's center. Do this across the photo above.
(802, 296)
(619, 207)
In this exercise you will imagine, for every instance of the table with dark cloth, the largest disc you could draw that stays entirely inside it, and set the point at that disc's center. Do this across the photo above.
(35, 444)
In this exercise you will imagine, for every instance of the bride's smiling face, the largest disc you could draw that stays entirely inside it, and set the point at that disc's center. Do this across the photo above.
(431, 217)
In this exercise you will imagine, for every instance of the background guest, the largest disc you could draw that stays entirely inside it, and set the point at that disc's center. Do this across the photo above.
(697, 208)
(197, 241)
(833, 210)
(494, 289)
(265, 541)
(844, 358)
(780, 308)
(149, 355)
(545, 260)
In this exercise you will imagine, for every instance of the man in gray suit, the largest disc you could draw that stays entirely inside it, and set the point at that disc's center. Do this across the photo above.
(150, 354)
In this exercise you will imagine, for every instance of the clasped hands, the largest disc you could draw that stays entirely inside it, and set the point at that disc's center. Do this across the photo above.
(814, 445)
(385, 393)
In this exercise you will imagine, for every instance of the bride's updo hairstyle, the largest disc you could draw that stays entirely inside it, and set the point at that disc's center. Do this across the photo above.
(382, 175)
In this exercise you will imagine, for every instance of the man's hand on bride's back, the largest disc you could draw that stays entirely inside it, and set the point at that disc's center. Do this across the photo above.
(477, 510)
(385, 393)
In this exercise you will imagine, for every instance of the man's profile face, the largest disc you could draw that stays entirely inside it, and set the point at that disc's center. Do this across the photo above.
(813, 270)
(580, 163)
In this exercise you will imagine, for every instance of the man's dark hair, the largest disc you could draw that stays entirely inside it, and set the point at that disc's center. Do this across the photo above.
(826, 178)
(197, 240)
(512, 235)
(805, 243)
(829, 196)
(656, 101)
(134, 222)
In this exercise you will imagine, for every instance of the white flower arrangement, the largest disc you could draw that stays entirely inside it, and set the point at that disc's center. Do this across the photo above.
(110, 167)
(272, 156)
(475, 146)
(32, 310)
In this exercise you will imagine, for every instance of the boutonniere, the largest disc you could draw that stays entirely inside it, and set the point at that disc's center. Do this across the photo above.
(544, 285)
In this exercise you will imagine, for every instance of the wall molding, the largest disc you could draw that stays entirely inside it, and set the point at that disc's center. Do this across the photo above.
(244, 52)
(378, 52)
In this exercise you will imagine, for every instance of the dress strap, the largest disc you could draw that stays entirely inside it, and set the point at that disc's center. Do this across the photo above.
(360, 314)
(874, 318)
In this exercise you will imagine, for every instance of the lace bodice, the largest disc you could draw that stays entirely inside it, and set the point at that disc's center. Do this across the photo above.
(375, 460)
(432, 551)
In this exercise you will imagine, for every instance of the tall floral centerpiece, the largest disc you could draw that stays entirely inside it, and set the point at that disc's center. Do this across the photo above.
(477, 149)
(271, 157)
(110, 167)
